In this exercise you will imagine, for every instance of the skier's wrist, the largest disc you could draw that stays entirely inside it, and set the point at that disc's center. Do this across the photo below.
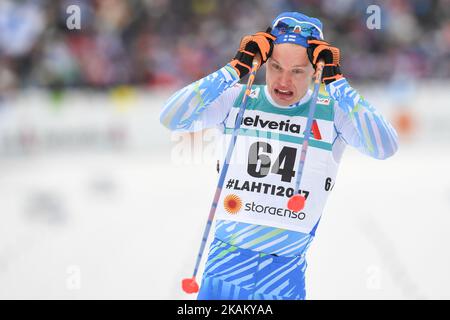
(340, 90)
(335, 88)
(228, 68)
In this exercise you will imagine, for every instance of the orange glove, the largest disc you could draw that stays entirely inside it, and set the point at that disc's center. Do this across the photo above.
(319, 49)
(260, 43)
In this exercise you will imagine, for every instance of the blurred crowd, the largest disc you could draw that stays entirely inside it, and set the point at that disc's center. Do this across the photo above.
(157, 43)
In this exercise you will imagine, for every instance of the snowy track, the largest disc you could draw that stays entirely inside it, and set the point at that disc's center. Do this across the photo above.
(128, 224)
(113, 226)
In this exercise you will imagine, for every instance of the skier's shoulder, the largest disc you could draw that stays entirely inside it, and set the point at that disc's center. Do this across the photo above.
(256, 91)
(254, 94)
(324, 106)
(324, 99)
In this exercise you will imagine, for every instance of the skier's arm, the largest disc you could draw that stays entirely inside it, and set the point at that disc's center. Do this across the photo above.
(359, 124)
(356, 121)
(206, 101)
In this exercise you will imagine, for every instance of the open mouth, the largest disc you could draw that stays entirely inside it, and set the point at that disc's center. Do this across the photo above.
(283, 94)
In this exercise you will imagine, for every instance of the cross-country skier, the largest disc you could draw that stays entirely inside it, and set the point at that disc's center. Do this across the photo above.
(259, 246)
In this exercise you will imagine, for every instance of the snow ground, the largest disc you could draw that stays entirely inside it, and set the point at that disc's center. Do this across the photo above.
(127, 223)
(123, 226)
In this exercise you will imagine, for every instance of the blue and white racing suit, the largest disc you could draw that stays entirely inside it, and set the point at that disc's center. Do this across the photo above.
(259, 247)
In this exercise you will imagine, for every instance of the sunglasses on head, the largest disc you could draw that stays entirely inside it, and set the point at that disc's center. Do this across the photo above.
(288, 25)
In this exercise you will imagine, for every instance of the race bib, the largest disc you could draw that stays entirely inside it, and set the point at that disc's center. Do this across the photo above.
(262, 172)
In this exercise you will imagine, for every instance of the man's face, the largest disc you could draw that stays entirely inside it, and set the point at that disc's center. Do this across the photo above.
(288, 73)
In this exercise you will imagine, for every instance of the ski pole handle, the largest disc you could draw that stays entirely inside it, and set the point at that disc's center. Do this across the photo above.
(319, 70)
(256, 63)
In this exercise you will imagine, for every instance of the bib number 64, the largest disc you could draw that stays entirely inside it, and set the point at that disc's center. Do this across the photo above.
(260, 163)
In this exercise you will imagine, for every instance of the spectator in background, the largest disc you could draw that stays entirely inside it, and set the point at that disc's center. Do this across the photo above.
(135, 42)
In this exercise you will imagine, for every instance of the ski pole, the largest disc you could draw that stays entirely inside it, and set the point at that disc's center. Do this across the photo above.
(297, 201)
(190, 285)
